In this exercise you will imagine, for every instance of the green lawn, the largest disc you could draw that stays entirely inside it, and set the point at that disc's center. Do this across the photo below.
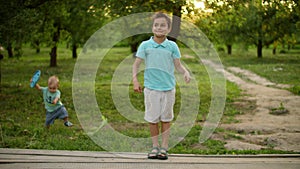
(22, 113)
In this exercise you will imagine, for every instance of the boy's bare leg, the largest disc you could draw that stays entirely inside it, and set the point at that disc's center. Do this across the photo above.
(154, 131)
(67, 123)
(66, 119)
(165, 129)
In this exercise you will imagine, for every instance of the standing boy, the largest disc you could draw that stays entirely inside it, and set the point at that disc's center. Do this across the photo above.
(161, 56)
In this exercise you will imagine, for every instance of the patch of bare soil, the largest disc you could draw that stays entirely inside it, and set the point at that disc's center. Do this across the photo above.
(259, 128)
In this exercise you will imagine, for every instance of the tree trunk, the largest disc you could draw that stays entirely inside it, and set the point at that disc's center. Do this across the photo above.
(53, 53)
(74, 51)
(274, 51)
(274, 47)
(134, 42)
(10, 50)
(53, 56)
(229, 49)
(260, 41)
(1, 57)
(37, 46)
(259, 49)
(133, 48)
(176, 22)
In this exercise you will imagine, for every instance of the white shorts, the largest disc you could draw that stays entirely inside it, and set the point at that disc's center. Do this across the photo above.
(159, 105)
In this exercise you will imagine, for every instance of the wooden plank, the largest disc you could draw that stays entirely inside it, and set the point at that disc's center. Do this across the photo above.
(24, 158)
(24, 155)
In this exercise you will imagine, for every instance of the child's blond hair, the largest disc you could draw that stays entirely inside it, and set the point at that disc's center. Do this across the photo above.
(53, 81)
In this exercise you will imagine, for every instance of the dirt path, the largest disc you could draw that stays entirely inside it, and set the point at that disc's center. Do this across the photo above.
(257, 127)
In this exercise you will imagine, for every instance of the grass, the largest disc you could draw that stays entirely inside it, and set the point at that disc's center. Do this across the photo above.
(22, 113)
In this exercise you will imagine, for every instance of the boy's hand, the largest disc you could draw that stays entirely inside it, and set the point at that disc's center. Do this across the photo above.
(55, 101)
(37, 86)
(137, 87)
(187, 77)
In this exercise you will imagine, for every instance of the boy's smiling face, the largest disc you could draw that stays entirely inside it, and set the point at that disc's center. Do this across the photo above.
(160, 27)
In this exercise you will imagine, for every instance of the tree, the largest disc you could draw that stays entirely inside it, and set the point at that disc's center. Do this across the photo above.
(176, 19)
(84, 18)
(55, 16)
(257, 22)
(73, 18)
(44, 21)
(225, 23)
(123, 8)
(16, 24)
(267, 22)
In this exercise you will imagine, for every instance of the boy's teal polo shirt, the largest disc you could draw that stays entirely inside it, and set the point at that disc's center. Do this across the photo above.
(159, 61)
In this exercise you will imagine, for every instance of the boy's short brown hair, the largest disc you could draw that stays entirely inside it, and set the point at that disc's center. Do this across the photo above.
(162, 15)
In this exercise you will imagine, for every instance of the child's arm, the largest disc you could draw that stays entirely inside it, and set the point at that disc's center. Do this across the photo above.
(180, 68)
(55, 100)
(57, 97)
(37, 86)
(136, 85)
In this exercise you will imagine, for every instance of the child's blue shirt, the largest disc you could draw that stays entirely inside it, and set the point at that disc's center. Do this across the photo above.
(159, 61)
(48, 98)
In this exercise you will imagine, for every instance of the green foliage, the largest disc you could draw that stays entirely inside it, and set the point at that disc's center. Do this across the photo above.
(49, 22)
(259, 23)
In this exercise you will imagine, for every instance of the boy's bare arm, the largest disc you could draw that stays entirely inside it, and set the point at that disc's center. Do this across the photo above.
(135, 68)
(55, 100)
(181, 69)
(37, 86)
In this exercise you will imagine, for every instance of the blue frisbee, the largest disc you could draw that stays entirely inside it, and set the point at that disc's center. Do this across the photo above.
(35, 78)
